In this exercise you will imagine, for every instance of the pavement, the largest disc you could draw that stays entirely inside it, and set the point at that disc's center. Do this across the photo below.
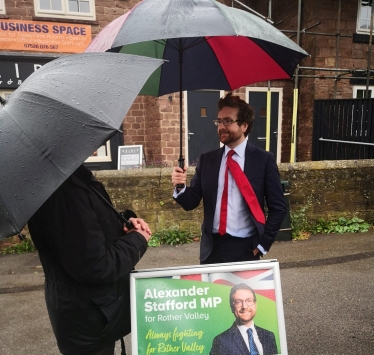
(327, 287)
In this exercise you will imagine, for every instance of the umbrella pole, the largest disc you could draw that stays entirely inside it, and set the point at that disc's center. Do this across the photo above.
(181, 159)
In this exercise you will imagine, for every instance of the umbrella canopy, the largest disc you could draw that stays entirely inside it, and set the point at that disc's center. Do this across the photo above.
(56, 119)
(206, 45)
(223, 47)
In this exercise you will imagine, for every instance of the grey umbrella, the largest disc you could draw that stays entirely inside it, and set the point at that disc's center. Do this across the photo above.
(56, 119)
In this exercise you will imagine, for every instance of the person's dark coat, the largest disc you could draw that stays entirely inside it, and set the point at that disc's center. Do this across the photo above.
(86, 257)
(262, 172)
(231, 342)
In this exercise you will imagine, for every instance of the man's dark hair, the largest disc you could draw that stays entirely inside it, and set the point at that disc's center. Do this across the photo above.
(246, 113)
(240, 287)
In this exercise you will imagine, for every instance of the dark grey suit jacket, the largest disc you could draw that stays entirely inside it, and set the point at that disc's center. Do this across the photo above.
(231, 342)
(261, 171)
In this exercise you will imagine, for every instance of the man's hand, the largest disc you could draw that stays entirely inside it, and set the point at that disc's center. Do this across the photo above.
(256, 251)
(141, 227)
(179, 176)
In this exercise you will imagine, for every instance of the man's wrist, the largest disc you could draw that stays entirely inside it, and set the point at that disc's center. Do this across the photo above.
(178, 191)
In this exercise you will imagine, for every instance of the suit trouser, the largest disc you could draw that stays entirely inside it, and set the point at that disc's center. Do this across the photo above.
(228, 249)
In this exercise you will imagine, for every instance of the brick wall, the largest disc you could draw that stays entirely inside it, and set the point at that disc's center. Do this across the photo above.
(323, 51)
(107, 11)
(154, 123)
(332, 189)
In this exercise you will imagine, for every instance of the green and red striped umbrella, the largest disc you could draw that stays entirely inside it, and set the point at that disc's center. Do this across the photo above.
(206, 45)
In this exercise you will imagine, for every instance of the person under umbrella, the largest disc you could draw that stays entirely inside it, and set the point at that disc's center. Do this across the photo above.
(234, 181)
(48, 127)
(87, 256)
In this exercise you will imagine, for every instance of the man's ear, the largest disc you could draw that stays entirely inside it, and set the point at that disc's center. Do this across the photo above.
(245, 127)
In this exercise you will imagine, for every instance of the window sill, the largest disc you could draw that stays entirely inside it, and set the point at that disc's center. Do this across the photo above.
(64, 20)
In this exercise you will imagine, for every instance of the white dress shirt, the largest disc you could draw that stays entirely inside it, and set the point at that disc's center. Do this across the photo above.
(239, 222)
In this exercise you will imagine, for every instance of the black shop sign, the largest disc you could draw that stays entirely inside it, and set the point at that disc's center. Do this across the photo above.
(15, 71)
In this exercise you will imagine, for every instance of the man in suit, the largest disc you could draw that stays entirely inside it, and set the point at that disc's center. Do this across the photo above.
(244, 338)
(234, 226)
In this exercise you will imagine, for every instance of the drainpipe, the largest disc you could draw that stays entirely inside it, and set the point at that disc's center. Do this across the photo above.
(369, 52)
(295, 93)
(337, 46)
(268, 101)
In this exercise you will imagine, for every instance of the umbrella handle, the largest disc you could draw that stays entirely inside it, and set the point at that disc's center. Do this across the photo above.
(125, 216)
(181, 165)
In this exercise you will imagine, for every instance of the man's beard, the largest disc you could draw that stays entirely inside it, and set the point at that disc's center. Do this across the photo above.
(230, 137)
(244, 321)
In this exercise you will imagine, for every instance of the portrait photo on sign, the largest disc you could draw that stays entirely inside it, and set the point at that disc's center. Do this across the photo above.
(234, 308)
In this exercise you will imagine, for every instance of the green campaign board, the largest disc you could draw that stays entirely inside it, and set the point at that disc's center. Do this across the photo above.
(182, 310)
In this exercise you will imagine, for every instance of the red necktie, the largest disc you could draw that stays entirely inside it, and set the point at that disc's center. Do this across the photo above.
(245, 189)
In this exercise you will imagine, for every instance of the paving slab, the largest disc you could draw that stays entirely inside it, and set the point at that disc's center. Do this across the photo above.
(327, 288)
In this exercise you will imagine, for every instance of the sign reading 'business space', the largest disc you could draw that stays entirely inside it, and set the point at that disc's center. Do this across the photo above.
(44, 36)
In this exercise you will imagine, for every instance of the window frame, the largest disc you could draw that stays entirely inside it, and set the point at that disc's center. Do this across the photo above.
(358, 29)
(2, 7)
(102, 158)
(64, 13)
(362, 87)
(5, 93)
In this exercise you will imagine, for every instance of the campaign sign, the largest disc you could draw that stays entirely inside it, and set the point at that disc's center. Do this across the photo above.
(197, 309)
(130, 156)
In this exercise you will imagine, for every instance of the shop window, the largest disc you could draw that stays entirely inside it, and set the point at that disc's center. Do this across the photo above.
(2, 6)
(69, 9)
(363, 16)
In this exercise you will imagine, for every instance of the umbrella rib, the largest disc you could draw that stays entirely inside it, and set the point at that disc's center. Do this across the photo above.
(163, 42)
(196, 42)
(170, 44)
(176, 47)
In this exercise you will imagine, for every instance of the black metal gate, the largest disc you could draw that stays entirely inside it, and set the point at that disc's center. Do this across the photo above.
(343, 129)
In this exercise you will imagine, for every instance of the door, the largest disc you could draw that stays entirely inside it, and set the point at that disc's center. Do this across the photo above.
(258, 100)
(202, 133)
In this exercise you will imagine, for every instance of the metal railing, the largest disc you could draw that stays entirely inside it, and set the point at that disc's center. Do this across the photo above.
(343, 129)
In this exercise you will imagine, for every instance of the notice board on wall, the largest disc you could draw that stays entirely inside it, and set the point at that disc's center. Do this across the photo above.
(196, 309)
(130, 157)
